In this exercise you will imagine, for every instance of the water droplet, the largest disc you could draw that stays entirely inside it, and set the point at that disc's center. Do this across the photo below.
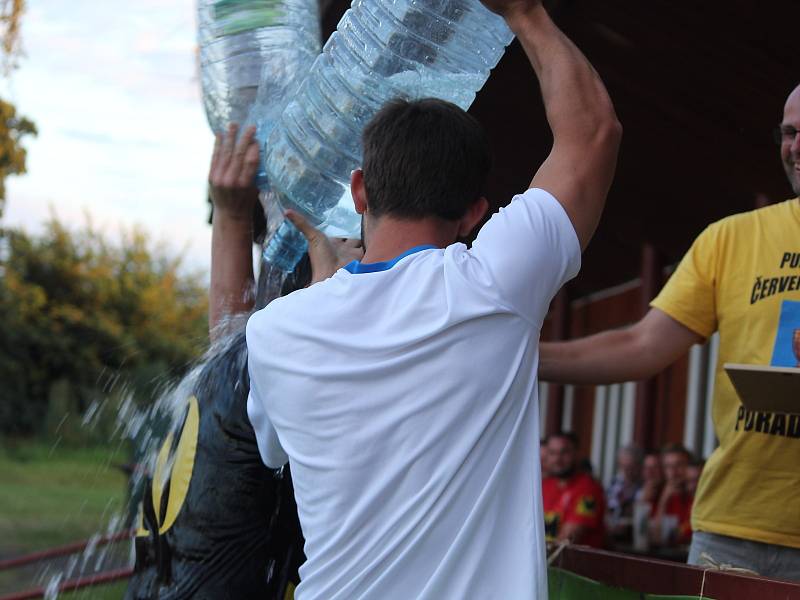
(54, 446)
(51, 591)
(61, 422)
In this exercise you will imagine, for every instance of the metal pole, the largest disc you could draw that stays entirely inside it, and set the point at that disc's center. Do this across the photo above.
(73, 584)
(65, 550)
(555, 392)
(644, 420)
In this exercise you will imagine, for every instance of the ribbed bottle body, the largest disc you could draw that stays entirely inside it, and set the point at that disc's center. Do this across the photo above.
(253, 55)
(382, 49)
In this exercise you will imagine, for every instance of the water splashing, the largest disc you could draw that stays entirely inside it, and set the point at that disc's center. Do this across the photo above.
(126, 421)
(51, 590)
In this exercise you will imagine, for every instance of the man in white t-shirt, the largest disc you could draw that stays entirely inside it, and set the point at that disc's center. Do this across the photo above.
(400, 389)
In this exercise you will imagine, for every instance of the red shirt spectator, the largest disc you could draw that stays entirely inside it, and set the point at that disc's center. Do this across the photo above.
(671, 524)
(680, 507)
(574, 502)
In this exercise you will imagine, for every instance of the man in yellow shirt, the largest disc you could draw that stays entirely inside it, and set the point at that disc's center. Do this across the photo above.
(741, 277)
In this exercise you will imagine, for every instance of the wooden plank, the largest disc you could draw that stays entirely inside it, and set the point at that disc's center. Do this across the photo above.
(652, 576)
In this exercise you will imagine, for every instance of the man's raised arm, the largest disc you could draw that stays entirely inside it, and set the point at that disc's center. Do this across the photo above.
(232, 291)
(230, 178)
(586, 132)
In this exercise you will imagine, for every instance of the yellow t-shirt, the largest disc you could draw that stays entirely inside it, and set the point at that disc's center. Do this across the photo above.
(738, 277)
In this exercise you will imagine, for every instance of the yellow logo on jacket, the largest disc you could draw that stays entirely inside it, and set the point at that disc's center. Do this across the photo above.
(175, 468)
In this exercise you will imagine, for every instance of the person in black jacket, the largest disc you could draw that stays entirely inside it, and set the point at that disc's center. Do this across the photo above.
(217, 523)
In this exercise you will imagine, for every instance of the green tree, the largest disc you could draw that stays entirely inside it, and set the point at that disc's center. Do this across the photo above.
(78, 312)
(10, 19)
(12, 154)
(13, 127)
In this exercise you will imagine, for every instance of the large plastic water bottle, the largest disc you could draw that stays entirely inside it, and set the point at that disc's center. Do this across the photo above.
(382, 49)
(253, 56)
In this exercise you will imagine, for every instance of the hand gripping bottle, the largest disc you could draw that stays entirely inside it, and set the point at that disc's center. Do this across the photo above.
(382, 49)
(253, 55)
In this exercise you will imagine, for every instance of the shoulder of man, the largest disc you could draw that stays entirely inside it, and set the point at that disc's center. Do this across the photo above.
(746, 218)
(291, 311)
(265, 321)
(725, 231)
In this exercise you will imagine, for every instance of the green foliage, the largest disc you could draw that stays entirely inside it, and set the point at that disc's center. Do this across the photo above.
(81, 318)
(10, 18)
(13, 127)
(53, 495)
(12, 155)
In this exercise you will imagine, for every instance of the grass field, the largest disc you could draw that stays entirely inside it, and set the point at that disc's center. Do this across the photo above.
(51, 495)
(112, 591)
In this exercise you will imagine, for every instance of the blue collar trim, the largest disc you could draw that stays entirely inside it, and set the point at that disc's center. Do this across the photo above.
(356, 267)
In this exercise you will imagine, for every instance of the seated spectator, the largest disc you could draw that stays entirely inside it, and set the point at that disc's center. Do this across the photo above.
(585, 465)
(621, 493)
(652, 480)
(543, 458)
(574, 502)
(670, 525)
(693, 472)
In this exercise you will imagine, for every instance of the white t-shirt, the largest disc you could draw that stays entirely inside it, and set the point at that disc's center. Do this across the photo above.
(404, 396)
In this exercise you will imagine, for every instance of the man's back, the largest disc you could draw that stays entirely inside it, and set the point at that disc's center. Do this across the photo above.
(404, 395)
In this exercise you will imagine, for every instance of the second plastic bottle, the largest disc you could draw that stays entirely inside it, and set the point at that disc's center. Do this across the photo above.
(253, 55)
(382, 49)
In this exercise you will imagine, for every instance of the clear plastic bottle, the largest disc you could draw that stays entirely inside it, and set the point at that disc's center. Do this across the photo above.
(382, 49)
(253, 56)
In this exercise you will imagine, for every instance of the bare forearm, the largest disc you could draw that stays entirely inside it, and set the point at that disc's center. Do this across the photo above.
(575, 98)
(586, 133)
(618, 355)
(230, 179)
(573, 532)
(231, 291)
(608, 357)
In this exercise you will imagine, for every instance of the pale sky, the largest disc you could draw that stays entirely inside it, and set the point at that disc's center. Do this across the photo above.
(113, 90)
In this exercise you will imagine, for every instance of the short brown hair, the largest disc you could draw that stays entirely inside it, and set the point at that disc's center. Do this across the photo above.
(570, 436)
(424, 158)
(674, 448)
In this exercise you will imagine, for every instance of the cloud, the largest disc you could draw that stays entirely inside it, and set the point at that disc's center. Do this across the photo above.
(112, 88)
(86, 136)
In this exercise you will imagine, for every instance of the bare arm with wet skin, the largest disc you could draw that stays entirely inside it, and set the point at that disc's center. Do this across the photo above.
(230, 178)
(231, 293)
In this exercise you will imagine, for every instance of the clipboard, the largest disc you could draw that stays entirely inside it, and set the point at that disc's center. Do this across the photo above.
(765, 388)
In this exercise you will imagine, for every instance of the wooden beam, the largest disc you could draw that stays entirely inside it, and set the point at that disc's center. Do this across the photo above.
(560, 315)
(651, 576)
(646, 392)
